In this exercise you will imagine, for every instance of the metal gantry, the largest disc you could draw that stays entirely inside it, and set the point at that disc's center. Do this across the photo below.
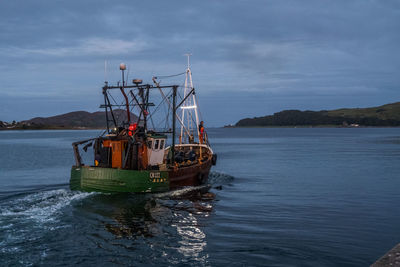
(189, 113)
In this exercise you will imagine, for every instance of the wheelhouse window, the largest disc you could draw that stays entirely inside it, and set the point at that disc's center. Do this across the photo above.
(156, 144)
(149, 143)
(162, 144)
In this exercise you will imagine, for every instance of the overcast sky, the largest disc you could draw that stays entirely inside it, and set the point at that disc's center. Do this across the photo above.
(250, 58)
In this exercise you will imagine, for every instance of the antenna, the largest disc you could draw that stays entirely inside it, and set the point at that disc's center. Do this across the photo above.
(105, 70)
(127, 75)
(188, 59)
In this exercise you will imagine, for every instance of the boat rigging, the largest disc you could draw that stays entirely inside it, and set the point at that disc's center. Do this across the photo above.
(131, 156)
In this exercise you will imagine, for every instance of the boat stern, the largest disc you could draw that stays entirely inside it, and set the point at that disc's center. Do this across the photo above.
(97, 179)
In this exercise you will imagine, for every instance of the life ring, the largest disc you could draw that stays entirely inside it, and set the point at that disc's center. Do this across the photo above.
(202, 178)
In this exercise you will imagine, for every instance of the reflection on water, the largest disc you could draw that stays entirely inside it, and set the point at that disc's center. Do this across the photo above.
(134, 220)
(193, 238)
(139, 215)
(171, 221)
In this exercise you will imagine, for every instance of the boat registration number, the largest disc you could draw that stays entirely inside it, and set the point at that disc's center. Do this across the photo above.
(155, 175)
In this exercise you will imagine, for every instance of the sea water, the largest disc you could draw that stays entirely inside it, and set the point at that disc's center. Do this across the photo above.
(278, 197)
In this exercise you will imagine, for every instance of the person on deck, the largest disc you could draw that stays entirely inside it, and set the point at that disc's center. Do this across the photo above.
(97, 159)
(201, 131)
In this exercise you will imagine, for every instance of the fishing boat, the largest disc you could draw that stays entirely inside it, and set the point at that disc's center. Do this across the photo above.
(136, 154)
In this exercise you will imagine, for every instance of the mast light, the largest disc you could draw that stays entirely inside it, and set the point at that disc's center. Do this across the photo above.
(189, 107)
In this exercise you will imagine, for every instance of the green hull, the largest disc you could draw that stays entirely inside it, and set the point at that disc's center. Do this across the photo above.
(110, 180)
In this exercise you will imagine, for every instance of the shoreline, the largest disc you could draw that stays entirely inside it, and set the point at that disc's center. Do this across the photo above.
(312, 126)
(221, 127)
(50, 128)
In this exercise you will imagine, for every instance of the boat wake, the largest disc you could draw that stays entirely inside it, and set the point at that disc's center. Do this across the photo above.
(41, 206)
(183, 192)
(30, 217)
(47, 206)
(215, 180)
(219, 178)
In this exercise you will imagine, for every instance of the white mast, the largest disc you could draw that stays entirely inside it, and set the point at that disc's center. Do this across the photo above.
(189, 106)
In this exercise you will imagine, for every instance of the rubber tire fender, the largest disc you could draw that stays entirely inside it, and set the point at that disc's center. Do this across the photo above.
(201, 178)
(214, 159)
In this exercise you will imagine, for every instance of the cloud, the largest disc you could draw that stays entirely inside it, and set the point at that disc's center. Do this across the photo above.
(85, 47)
(283, 49)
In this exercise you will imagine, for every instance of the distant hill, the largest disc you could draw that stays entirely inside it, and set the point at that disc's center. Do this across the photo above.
(71, 120)
(386, 115)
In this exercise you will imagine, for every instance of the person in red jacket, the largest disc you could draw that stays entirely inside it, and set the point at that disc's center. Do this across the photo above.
(201, 131)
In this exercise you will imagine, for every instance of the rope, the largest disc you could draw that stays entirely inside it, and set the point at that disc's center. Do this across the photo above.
(118, 115)
(159, 105)
(169, 76)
